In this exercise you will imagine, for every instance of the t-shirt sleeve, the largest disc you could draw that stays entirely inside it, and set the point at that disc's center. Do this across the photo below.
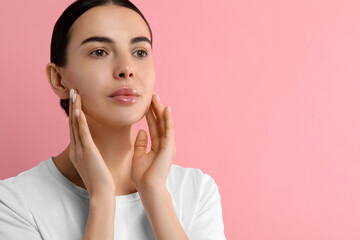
(208, 222)
(13, 223)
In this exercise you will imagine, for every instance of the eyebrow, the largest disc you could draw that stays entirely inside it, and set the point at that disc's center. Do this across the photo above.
(110, 41)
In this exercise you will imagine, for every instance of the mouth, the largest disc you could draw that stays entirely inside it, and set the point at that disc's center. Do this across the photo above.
(125, 95)
(125, 92)
(129, 99)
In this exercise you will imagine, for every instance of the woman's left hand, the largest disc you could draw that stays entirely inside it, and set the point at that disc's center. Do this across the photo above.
(149, 171)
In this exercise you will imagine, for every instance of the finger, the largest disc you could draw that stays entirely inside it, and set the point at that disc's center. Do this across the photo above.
(84, 133)
(72, 137)
(153, 129)
(152, 106)
(140, 145)
(75, 120)
(164, 160)
(159, 110)
(169, 125)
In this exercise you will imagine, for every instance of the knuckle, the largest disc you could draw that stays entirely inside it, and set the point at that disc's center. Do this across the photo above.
(87, 146)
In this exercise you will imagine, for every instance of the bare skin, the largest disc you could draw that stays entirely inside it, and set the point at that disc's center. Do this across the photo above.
(66, 167)
(102, 157)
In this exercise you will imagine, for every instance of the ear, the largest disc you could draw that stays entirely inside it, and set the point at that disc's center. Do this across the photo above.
(56, 81)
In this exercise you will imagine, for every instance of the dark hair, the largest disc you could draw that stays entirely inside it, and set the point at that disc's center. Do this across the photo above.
(61, 34)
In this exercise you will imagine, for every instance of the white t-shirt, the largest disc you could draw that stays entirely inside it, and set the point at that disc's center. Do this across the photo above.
(41, 203)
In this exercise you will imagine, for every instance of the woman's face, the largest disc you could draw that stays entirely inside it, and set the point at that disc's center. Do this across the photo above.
(98, 67)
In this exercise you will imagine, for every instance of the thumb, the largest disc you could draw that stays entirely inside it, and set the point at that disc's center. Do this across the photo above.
(140, 143)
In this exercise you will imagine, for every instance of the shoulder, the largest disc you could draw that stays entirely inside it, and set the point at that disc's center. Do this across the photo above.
(191, 175)
(16, 193)
(190, 183)
(197, 202)
(24, 182)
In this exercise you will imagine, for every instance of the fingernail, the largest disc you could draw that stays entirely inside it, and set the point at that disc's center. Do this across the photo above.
(71, 92)
(158, 96)
(77, 112)
(74, 98)
(170, 108)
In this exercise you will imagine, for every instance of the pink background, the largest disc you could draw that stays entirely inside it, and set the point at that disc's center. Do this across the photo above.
(265, 99)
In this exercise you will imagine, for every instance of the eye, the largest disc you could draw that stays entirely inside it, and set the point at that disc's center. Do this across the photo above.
(142, 54)
(98, 53)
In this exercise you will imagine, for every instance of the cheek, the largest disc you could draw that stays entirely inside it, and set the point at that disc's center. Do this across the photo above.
(148, 83)
(84, 79)
(89, 83)
(147, 74)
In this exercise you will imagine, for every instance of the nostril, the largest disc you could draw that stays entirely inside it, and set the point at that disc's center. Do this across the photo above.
(122, 74)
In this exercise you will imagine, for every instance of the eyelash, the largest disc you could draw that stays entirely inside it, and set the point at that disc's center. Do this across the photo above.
(95, 51)
(103, 51)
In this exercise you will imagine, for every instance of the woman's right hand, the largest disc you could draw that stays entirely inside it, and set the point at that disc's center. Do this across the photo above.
(84, 154)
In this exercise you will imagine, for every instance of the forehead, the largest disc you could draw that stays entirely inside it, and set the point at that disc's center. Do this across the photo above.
(113, 21)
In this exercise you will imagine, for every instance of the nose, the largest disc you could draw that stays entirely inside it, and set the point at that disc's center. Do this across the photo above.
(124, 70)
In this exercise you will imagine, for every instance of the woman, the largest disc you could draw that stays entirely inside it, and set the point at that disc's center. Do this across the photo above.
(104, 185)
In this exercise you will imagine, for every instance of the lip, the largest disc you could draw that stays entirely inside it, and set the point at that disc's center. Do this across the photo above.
(125, 95)
(125, 91)
(125, 99)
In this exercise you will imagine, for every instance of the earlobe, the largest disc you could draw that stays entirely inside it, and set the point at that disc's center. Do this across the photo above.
(55, 80)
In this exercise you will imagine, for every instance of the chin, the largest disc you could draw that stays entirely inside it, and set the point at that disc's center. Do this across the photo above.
(126, 116)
